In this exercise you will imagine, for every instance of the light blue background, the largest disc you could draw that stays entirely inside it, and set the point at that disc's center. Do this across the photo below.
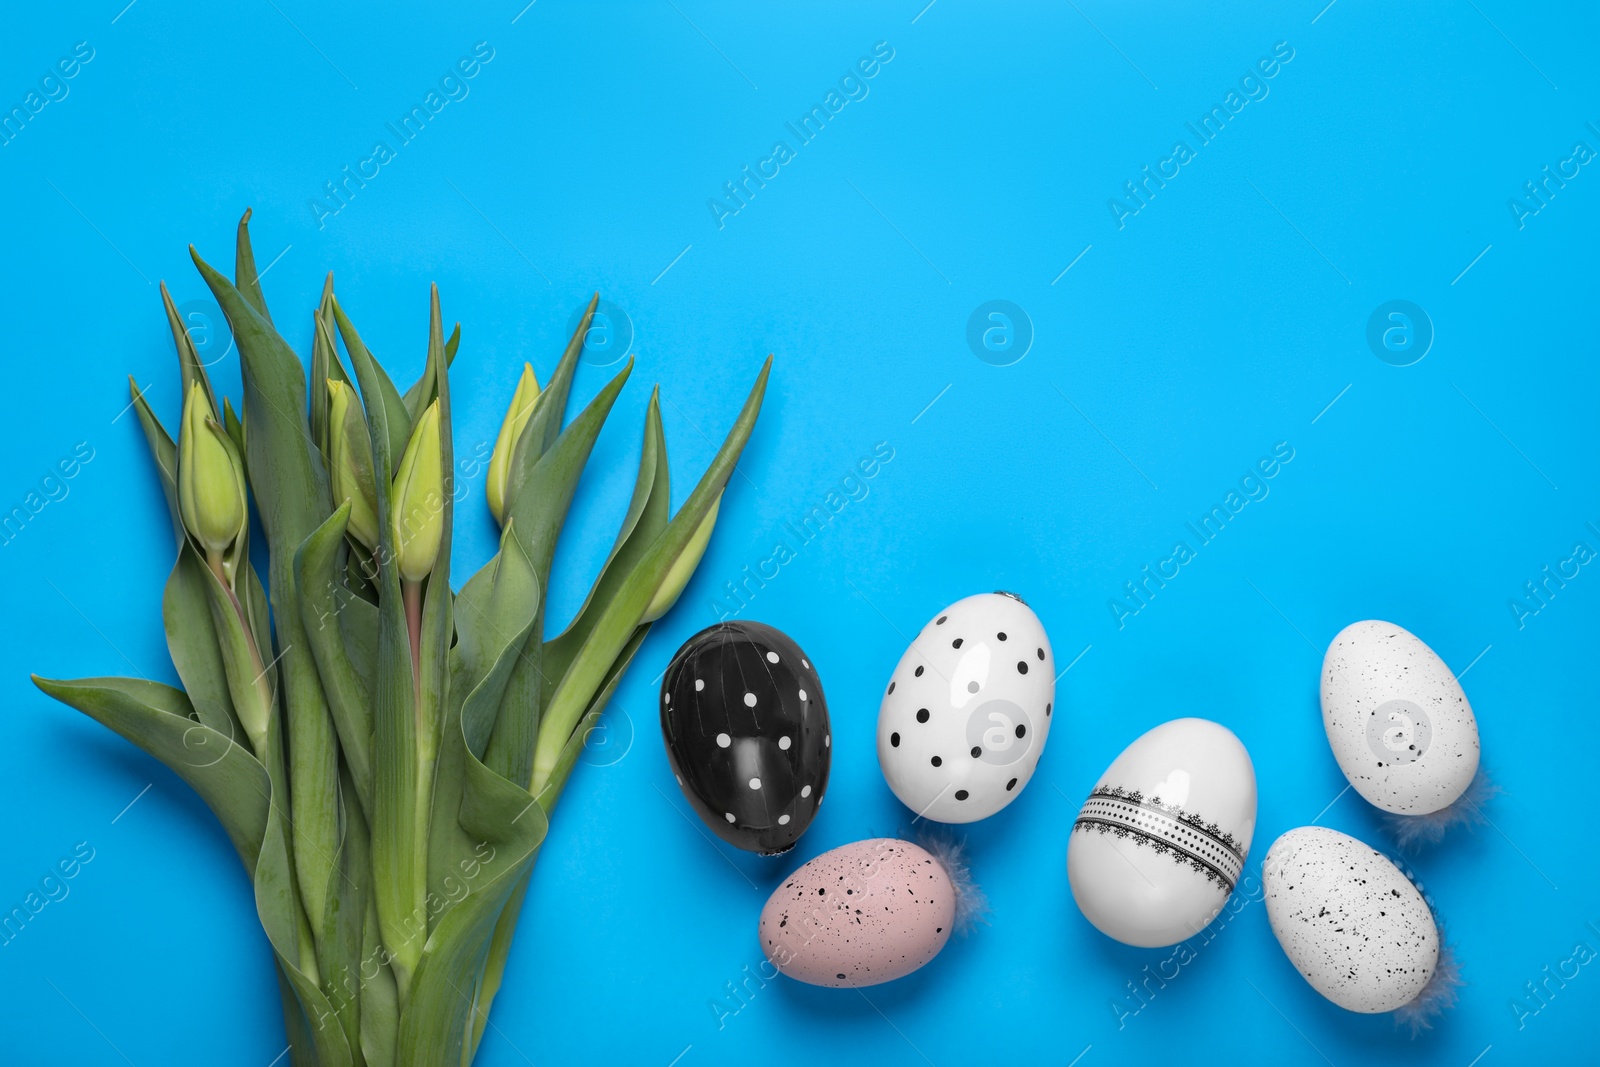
(1222, 319)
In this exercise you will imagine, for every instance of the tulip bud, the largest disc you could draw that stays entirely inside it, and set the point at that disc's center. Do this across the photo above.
(350, 462)
(683, 567)
(517, 416)
(416, 522)
(211, 493)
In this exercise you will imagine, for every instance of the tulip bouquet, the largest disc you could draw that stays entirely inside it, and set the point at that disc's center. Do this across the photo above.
(383, 751)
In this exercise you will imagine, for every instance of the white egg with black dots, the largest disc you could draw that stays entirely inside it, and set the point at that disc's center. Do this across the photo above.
(967, 710)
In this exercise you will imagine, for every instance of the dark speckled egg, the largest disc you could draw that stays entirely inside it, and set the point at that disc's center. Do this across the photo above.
(747, 734)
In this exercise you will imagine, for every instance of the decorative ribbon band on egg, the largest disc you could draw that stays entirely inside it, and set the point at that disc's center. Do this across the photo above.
(1206, 847)
(1165, 778)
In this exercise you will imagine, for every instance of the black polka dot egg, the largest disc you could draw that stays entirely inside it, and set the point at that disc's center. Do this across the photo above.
(966, 712)
(747, 734)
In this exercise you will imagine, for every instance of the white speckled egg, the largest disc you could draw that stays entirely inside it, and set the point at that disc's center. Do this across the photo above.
(1349, 920)
(1399, 724)
(1161, 841)
(859, 915)
(967, 711)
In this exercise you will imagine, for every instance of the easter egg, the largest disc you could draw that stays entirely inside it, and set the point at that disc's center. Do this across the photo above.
(967, 711)
(747, 734)
(1397, 719)
(859, 915)
(1161, 841)
(1349, 920)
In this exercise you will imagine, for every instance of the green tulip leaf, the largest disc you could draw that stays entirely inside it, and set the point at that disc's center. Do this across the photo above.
(648, 513)
(537, 502)
(157, 718)
(627, 608)
(190, 368)
(192, 643)
(164, 451)
(339, 959)
(325, 365)
(380, 998)
(234, 425)
(544, 425)
(377, 390)
(436, 1024)
(245, 277)
(422, 391)
(290, 487)
(506, 925)
(323, 596)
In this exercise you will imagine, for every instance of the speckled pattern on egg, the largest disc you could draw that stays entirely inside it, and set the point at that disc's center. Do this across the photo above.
(1349, 920)
(859, 915)
(967, 710)
(1397, 719)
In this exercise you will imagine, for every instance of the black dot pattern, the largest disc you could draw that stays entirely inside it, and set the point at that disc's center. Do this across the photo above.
(971, 700)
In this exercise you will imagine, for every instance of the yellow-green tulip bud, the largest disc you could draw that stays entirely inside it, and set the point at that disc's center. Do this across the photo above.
(683, 567)
(350, 462)
(517, 416)
(417, 520)
(211, 485)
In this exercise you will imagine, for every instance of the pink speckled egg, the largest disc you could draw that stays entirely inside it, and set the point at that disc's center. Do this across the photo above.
(859, 915)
